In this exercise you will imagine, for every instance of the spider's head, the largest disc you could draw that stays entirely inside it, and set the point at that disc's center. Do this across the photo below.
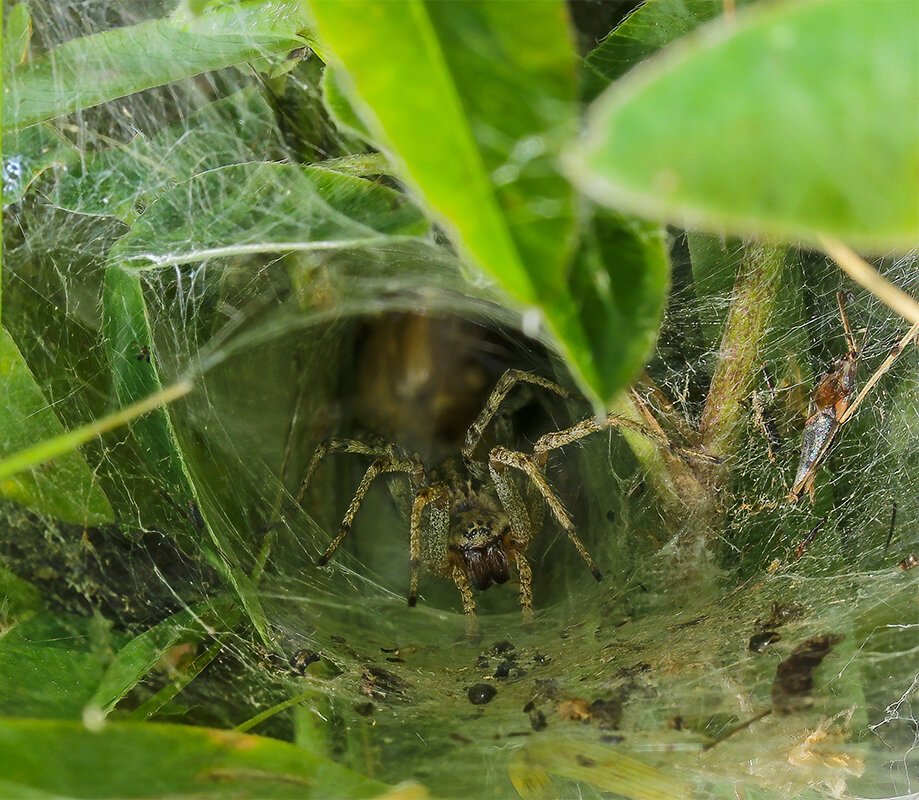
(480, 537)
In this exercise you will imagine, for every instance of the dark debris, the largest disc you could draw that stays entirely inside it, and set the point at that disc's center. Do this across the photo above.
(481, 693)
(794, 677)
(379, 683)
(537, 720)
(760, 641)
(302, 659)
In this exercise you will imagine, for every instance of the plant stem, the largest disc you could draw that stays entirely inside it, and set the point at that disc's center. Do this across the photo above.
(755, 289)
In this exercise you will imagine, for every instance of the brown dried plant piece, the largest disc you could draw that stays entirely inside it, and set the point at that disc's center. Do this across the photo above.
(574, 709)
(794, 677)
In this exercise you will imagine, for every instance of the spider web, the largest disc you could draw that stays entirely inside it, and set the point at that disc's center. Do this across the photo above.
(290, 345)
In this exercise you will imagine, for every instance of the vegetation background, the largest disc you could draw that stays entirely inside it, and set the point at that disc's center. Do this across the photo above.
(232, 229)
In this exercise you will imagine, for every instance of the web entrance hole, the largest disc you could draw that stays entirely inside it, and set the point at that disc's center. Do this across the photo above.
(419, 381)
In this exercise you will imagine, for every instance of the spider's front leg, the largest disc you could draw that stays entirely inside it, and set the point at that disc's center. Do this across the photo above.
(435, 532)
(380, 450)
(522, 528)
(438, 499)
(500, 459)
(388, 458)
(462, 583)
(507, 382)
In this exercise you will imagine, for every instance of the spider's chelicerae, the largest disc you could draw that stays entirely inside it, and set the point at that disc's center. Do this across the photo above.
(469, 522)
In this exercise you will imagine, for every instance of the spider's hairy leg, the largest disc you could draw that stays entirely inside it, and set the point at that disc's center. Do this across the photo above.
(526, 587)
(500, 458)
(438, 499)
(375, 449)
(522, 527)
(592, 425)
(408, 464)
(503, 387)
(517, 513)
(462, 583)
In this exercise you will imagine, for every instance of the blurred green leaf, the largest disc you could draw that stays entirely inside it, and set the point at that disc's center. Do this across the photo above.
(141, 654)
(16, 596)
(91, 70)
(155, 760)
(620, 281)
(484, 160)
(51, 664)
(747, 129)
(651, 26)
(155, 704)
(599, 766)
(17, 33)
(66, 488)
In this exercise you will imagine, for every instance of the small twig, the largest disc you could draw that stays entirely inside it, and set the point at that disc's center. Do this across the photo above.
(738, 729)
(653, 394)
(879, 372)
(861, 272)
(893, 521)
(802, 545)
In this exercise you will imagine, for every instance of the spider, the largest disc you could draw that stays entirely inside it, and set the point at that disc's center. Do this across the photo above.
(469, 522)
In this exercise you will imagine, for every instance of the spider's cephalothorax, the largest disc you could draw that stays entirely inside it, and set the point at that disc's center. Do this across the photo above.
(480, 542)
(469, 521)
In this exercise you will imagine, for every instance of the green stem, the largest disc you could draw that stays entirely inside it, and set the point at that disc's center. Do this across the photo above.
(755, 290)
(276, 709)
(164, 695)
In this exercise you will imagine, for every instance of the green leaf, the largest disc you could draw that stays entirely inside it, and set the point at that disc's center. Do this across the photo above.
(620, 282)
(51, 663)
(94, 69)
(651, 26)
(478, 137)
(17, 33)
(339, 107)
(155, 760)
(65, 489)
(27, 154)
(127, 330)
(141, 654)
(525, 57)
(749, 130)
(266, 208)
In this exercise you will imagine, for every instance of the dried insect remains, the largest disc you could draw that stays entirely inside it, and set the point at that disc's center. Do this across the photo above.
(470, 522)
(831, 405)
